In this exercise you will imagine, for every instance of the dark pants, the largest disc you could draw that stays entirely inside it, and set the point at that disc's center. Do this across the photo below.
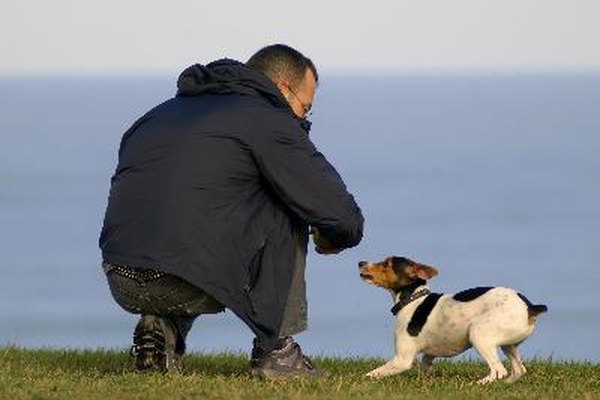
(163, 295)
(148, 292)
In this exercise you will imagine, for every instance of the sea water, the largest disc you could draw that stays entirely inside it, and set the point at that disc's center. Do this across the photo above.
(491, 178)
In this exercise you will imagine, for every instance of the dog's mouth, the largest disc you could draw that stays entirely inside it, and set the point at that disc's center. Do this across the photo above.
(366, 277)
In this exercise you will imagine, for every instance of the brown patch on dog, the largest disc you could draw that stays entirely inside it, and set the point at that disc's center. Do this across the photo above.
(380, 274)
(393, 273)
(422, 271)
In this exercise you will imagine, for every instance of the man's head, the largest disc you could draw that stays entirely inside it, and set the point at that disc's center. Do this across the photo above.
(294, 74)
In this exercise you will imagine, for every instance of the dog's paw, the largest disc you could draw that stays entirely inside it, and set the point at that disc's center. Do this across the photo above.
(513, 378)
(493, 376)
(374, 374)
(489, 379)
(486, 380)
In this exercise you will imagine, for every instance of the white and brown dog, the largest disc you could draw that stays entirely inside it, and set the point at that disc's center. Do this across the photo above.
(438, 325)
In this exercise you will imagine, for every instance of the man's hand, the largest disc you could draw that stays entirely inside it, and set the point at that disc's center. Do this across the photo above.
(322, 245)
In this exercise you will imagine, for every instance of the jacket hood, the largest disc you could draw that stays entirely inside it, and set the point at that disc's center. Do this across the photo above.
(227, 76)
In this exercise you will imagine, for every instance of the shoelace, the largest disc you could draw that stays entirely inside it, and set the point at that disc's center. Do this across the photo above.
(305, 359)
(148, 342)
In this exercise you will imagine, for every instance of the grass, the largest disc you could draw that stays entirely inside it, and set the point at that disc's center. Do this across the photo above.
(109, 375)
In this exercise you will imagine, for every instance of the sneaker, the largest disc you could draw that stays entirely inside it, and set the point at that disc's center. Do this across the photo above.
(286, 360)
(154, 341)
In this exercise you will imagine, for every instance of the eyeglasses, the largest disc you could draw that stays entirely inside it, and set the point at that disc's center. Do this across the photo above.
(305, 108)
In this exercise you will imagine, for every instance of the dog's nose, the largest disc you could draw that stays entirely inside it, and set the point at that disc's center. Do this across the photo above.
(362, 264)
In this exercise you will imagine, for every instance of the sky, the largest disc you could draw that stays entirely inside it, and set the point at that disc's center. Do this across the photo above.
(156, 36)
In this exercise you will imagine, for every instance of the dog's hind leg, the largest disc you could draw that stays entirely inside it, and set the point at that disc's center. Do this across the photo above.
(427, 364)
(517, 369)
(488, 350)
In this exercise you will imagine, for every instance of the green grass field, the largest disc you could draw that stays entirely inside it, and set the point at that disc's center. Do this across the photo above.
(109, 375)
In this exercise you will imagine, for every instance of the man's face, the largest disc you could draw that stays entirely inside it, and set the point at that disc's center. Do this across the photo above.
(300, 98)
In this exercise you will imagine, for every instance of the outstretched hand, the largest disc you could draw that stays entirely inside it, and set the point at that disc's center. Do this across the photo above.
(322, 245)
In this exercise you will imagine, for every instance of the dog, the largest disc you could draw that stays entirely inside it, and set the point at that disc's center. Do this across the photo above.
(441, 325)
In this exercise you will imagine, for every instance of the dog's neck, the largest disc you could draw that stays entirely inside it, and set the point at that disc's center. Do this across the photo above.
(408, 294)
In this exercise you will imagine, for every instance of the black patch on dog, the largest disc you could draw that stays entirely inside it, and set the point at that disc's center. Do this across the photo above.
(471, 294)
(525, 300)
(421, 314)
(533, 309)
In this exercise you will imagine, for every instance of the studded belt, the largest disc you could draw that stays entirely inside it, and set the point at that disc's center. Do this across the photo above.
(141, 275)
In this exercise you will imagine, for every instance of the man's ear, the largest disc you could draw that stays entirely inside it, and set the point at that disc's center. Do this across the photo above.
(422, 271)
(284, 86)
(281, 85)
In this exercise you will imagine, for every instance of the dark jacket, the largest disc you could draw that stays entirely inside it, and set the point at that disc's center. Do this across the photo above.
(212, 186)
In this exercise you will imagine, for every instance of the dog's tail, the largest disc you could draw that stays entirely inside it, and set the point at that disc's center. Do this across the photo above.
(533, 310)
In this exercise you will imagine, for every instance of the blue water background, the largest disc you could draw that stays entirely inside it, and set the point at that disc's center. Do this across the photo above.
(493, 179)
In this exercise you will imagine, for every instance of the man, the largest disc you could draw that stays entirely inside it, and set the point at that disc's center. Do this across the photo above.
(210, 208)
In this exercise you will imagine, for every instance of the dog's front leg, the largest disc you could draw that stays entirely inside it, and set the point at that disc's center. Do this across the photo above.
(402, 361)
(392, 367)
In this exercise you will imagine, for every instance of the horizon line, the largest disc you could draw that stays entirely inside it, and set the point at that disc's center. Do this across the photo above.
(338, 72)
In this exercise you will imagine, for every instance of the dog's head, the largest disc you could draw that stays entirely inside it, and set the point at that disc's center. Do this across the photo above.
(394, 273)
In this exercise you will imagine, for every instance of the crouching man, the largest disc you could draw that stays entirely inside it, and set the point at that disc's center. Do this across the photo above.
(210, 208)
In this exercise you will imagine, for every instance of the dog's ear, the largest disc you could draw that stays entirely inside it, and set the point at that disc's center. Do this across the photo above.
(422, 271)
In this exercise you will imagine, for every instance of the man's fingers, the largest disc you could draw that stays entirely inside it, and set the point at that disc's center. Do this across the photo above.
(328, 251)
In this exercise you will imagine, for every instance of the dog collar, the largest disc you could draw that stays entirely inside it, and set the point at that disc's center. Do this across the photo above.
(403, 302)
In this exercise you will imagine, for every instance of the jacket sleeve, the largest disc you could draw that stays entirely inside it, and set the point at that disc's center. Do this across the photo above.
(307, 183)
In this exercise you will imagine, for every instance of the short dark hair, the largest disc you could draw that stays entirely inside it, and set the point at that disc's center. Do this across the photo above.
(281, 61)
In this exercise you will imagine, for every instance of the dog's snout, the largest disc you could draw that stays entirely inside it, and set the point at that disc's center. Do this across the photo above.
(362, 264)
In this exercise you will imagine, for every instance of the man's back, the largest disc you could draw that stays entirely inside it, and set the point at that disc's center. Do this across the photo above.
(187, 164)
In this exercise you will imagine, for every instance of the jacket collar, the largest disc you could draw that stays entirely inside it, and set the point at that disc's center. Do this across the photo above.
(227, 76)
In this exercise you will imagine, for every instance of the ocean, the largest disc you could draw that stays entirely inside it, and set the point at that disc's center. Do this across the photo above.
(491, 178)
